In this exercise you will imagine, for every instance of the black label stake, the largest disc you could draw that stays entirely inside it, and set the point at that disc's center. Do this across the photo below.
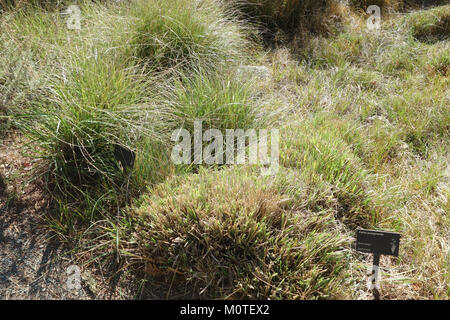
(377, 243)
(374, 284)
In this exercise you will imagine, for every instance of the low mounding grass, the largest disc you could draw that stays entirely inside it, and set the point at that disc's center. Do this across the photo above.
(99, 105)
(218, 100)
(233, 234)
(364, 133)
(385, 96)
(76, 126)
(184, 34)
(318, 150)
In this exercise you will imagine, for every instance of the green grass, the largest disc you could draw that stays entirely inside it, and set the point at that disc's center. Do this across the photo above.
(218, 100)
(98, 95)
(320, 152)
(183, 34)
(432, 26)
(236, 237)
(363, 122)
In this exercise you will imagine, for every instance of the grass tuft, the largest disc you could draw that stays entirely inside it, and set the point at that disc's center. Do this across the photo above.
(234, 237)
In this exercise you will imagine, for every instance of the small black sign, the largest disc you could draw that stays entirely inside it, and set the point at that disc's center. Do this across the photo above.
(377, 242)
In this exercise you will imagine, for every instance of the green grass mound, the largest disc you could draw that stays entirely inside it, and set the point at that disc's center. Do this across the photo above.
(220, 100)
(319, 150)
(234, 234)
(184, 34)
